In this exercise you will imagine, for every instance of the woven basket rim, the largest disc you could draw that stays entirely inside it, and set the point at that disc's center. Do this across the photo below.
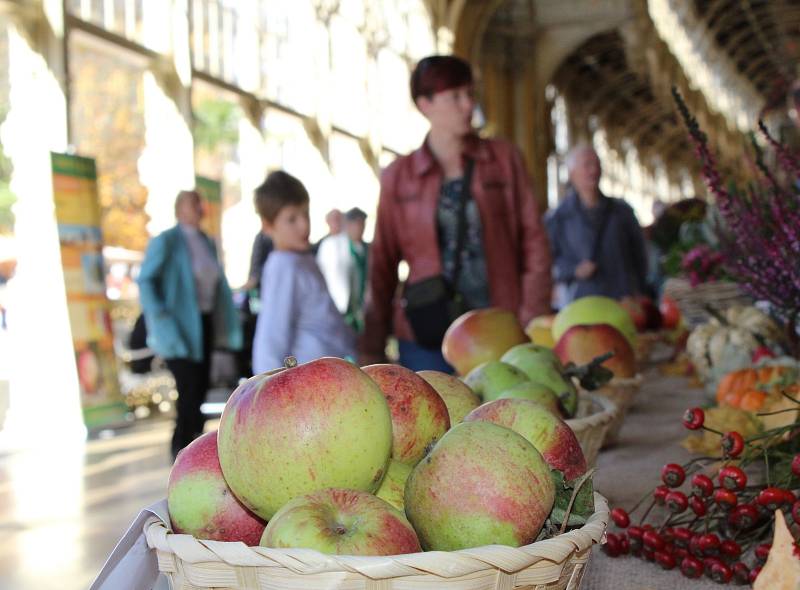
(626, 381)
(608, 410)
(440, 563)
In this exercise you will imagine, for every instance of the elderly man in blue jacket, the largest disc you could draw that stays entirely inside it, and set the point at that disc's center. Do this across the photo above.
(597, 245)
(188, 310)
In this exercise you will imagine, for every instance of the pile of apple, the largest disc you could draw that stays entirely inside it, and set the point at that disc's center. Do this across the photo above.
(380, 460)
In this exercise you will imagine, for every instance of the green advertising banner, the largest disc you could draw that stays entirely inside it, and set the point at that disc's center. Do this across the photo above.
(211, 193)
(77, 211)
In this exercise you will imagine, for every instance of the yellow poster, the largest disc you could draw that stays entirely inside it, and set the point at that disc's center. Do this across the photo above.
(78, 218)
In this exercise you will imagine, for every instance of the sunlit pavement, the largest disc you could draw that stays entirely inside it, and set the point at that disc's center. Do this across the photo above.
(63, 509)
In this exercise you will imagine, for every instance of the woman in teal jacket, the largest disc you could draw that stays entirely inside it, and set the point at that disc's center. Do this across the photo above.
(188, 310)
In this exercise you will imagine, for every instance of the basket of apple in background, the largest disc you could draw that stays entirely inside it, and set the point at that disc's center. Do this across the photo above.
(593, 326)
(325, 475)
(657, 326)
(533, 372)
(498, 361)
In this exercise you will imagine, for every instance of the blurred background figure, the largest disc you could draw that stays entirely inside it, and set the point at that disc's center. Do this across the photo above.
(248, 301)
(188, 311)
(297, 317)
(342, 258)
(335, 222)
(262, 246)
(460, 211)
(597, 243)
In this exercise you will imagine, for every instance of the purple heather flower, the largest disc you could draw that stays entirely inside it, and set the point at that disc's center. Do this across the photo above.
(760, 233)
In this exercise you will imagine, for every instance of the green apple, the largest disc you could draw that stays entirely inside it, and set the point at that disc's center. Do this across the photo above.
(482, 484)
(341, 522)
(595, 309)
(394, 483)
(536, 392)
(541, 365)
(492, 378)
(458, 397)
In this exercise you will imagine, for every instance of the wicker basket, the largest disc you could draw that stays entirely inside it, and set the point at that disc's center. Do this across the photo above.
(622, 393)
(645, 343)
(693, 300)
(595, 415)
(654, 348)
(553, 564)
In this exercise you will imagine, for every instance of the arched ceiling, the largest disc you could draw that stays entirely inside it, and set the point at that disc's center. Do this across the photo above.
(601, 86)
(609, 61)
(606, 91)
(761, 38)
(616, 72)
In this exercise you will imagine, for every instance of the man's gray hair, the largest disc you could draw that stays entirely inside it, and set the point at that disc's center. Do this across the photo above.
(575, 151)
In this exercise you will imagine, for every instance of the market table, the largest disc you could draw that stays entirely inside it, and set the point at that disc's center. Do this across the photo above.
(650, 437)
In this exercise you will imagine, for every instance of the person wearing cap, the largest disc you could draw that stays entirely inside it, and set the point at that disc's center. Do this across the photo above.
(459, 209)
(342, 258)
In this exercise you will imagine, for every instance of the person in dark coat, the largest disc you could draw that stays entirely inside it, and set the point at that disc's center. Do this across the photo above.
(597, 244)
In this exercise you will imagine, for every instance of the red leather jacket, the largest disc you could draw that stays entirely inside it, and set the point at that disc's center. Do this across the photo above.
(516, 247)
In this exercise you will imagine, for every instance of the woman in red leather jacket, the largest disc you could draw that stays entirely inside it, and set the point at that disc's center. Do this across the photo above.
(504, 255)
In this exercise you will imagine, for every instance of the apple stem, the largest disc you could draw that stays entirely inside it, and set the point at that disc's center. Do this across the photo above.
(290, 362)
(575, 491)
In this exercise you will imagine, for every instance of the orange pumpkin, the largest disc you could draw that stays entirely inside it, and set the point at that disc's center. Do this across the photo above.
(733, 386)
(732, 398)
(752, 400)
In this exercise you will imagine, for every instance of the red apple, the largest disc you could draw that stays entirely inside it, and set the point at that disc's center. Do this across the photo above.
(482, 484)
(581, 343)
(551, 436)
(419, 414)
(341, 522)
(200, 502)
(479, 336)
(636, 311)
(459, 398)
(652, 314)
(670, 313)
(318, 425)
(595, 309)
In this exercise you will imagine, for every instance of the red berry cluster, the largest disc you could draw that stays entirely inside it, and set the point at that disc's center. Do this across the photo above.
(709, 529)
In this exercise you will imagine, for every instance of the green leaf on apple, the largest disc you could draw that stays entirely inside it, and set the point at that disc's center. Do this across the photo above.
(592, 375)
(582, 507)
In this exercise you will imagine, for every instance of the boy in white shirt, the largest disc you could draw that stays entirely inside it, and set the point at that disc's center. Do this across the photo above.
(297, 316)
